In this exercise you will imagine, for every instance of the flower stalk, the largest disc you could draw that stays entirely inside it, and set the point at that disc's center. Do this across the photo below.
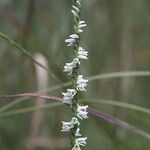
(79, 84)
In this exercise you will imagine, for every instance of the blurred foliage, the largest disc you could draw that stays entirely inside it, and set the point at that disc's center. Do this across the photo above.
(114, 28)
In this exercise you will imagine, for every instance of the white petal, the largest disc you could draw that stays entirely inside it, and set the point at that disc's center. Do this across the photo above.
(69, 40)
(81, 83)
(66, 126)
(82, 112)
(74, 36)
(82, 22)
(81, 141)
(68, 96)
(80, 30)
(78, 132)
(82, 25)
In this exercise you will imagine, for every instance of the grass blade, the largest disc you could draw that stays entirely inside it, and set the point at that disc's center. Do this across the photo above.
(29, 109)
(119, 104)
(94, 112)
(24, 51)
(119, 75)
(118, 122)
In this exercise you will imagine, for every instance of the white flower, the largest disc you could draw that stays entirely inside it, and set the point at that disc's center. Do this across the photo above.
(72, 39)
(79, 142)
(74, 36)
(78, 132)
(81, 83)
(70, 66)
(66, 126)
(82, 112)
(81, 25)
(82, 54)
(82, 22)
(68, 96)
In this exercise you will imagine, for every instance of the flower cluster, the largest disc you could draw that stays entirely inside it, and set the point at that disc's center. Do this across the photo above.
(81, 83)
(69, 125)
(68, 96)
(70, 66)
(71, 96)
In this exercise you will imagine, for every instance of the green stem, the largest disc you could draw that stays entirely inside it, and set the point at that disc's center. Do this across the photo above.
(75, 76)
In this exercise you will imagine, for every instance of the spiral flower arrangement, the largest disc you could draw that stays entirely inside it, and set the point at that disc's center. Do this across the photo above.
(71, 96)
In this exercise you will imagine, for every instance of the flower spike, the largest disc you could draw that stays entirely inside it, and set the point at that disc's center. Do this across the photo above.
(79, 84)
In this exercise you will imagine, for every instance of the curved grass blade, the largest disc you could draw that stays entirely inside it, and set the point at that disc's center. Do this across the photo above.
(105, 77)
(11, 104)
(94, 112)
(92, 78)
(119, 104)
(38, 95)
(118, 122)
(29, 109)
(23, 50)
(119, 75)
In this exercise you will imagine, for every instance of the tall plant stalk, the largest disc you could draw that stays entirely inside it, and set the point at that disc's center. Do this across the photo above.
(72, 95)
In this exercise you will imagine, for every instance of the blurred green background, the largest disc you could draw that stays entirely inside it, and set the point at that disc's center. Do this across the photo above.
(117, 38)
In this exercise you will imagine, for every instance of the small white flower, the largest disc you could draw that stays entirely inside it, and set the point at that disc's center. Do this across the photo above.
(78, 132)
(70, 66)
(81, 83)
(68, 96)
(70, 41)
(82, 54)
(79, 142)
(66, 126)
(82, 24)
(74, 36)
(82, 112)
(80, 30)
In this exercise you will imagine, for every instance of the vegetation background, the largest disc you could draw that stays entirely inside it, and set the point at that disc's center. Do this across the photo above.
(117, 38)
